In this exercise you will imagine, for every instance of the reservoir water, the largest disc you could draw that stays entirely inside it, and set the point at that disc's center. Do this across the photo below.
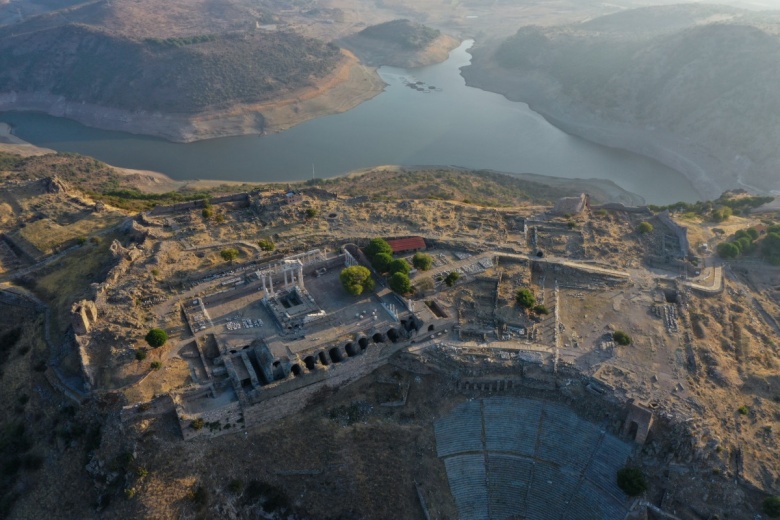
(440, 122)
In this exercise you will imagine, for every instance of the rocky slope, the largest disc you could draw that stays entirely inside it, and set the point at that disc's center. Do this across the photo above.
(689, 85)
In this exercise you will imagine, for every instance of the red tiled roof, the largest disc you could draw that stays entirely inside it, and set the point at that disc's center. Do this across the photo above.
(400, 245)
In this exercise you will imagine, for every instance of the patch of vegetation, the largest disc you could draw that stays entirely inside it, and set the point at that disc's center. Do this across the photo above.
(266, 244)
(156, 337)
(541, 309)
(644, 227)
(525, 298)
(451, 278)
(621, 338)
(198, 424)
(381, 262)
(356, 280)
(631, 481)
(422, 261)
(156, 365)
(400, 283)
(140, 354)
(377, 246)
(743, 410)
(229, 254)
(399, 265)
(771, 507)
(408, 35)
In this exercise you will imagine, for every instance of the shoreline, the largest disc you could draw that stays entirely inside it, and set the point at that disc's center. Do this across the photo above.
(696, 166)
(351, 84)
(156, 182)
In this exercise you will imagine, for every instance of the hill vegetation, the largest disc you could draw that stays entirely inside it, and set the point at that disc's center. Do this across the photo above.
(181, 75)
(412, 36)
(703, 76)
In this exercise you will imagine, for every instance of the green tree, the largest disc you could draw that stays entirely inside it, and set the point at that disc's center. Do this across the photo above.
(770, 247)
(229, 254)
(356, 279)
(727, 250)
(772, 507)
(399, 265)
(721, 214)
(452, 278)
(381, 262)
(266, 244)
(422, 261)
(156, 365)
(156, 338)
(140, 354)
(621, 338)
(631, 481)
(525, 298)
(645, 227)
(311, 213)
(400, 283)
(376, 246)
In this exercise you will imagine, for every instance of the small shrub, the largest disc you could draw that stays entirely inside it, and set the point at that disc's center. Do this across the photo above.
(311, 213)
(207, 212)
(266, 244)
(219, 218)
(156, 365)
(141, 471)
(541, 309)
(645, 227)
(631, 481)
(452, 278)
(621, 338)
(525, 298)
(198, 424)
(743, 410)
(140, 354)
(130, 492)
(229, 254)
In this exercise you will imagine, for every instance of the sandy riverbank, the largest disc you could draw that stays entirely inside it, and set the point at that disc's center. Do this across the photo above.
(349, 85)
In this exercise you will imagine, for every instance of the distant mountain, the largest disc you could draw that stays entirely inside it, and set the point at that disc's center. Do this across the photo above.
(184, 75)
(400, 43)
(694, 86)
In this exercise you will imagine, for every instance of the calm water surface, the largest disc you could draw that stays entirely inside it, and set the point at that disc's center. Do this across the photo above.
(451, 124)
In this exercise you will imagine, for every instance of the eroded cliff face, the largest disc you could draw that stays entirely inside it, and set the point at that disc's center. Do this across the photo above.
(692, 87)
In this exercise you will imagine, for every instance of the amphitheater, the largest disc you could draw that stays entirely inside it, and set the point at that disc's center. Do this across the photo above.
(515, 458)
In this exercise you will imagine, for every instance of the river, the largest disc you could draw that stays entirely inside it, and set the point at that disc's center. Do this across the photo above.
(441, 122)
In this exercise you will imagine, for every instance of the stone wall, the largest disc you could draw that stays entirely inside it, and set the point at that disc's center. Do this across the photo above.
(677, 229)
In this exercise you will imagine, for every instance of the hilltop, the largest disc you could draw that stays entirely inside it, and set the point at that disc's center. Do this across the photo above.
(400, 43)
(691, 86)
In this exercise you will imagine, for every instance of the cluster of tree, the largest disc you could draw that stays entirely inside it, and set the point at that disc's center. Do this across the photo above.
(380, 254)
(745, 242)
(718, 210)
(356, 280)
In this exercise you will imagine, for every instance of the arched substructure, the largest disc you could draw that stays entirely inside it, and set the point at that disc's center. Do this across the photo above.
(310, 362)
(324, 359)
(335, 355)
(378, 337)
(352, 349)
(393, 335)
(363, 343)
(296, 370)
